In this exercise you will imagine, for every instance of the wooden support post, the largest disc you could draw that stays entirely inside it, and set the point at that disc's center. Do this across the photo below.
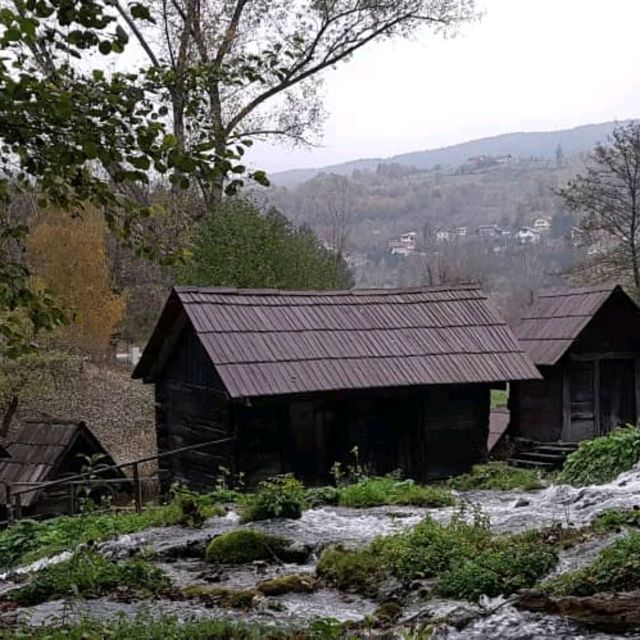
(18, 507)
(136, 488)
(72, 506)
(9, 505)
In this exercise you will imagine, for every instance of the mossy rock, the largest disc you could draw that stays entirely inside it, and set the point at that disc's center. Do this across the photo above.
(247, 545)
(351, 571)
(388, 612)
(221, 597)
(297, 583)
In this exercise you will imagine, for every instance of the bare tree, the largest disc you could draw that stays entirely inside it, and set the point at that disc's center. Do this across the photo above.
(241, 69)
(608, 198)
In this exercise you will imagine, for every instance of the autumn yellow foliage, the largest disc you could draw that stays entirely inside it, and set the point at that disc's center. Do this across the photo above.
(68, 256)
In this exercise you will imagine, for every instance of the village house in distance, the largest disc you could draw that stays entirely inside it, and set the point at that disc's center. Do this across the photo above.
(586, 343)
(298, 379)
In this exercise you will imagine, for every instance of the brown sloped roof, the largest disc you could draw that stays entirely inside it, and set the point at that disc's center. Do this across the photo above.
(265, 342)
(557, 317)
(37, 450)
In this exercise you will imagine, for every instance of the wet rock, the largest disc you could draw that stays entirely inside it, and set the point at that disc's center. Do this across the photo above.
(609, 611)
(521, 502)
(390, 589)
(224, 598)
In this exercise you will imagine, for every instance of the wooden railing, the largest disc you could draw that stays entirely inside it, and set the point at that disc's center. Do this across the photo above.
(13, 497)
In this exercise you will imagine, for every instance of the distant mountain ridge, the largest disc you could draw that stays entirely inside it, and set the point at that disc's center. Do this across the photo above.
(538, 144)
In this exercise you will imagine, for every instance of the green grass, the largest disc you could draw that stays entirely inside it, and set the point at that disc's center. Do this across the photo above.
(497, 476)
(602, 459)
(90, 575)
(144, 627)
(614, 520)
(278, 497)
(616, 568)
(29, 540)
(372, 492)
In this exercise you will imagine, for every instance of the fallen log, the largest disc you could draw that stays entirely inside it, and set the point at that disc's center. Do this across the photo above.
(606, 611)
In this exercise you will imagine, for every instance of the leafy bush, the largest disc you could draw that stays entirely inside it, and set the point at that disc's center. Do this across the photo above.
(497, 476)
(616, 568)
(192, 508)
(245, 545)
(430, 548)
(89, 574)
(279, 497)
(506, 566)
(602, 459)
(319, 496)
(372, 492)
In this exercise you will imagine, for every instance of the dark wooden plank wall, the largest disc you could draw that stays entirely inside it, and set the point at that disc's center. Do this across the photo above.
(192, 408)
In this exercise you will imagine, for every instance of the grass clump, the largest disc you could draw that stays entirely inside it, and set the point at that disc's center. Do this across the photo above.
(616, 568)
(28, 540)
(296, 583)
(602, 459)
(244, 546)
(91, 575)
(390, 489)
(497, 476)
(279, 497)
(614, 520)
(145, 627)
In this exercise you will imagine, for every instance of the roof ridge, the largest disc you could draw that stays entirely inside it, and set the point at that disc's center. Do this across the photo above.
(328, 292)
(576, 291)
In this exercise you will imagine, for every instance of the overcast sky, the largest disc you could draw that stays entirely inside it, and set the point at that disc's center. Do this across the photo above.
(528, 65)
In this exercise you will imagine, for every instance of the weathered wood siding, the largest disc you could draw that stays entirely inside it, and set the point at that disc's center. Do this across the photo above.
(191, 408)
(536, 406)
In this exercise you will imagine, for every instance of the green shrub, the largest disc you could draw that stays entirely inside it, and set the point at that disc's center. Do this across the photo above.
(351, 571)
(192, 509)
(372, 492)
(279, 497)
(319, 496)
(430, 548)
(89, 574)
(506, 566)
(602, 459)
(244, 546)
(616, 568)
(499, 398)
(497, 476)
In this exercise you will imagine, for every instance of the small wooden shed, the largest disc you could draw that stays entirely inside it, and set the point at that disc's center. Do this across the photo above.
(45, 450)
(586, 343)
(300, 378)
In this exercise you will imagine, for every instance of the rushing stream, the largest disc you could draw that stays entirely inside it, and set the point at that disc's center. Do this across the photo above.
(178, 551)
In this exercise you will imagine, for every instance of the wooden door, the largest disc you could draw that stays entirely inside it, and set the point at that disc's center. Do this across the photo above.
(617, 393)
(581, 422)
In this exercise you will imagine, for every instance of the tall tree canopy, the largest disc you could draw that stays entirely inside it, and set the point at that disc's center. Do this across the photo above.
(242, 247)
(607, 196)
(68, 256)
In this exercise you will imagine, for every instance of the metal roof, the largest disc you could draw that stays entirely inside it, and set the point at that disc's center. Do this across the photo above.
(37, 450)
(266, 342)
(556, 318)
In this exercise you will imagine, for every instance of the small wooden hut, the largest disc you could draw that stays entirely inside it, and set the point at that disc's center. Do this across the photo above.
(45, 450)
(586, 343)
(298, 379)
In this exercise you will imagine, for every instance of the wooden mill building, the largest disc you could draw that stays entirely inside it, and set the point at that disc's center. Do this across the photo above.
(586, 343)
(45, 450)
(300, 378)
